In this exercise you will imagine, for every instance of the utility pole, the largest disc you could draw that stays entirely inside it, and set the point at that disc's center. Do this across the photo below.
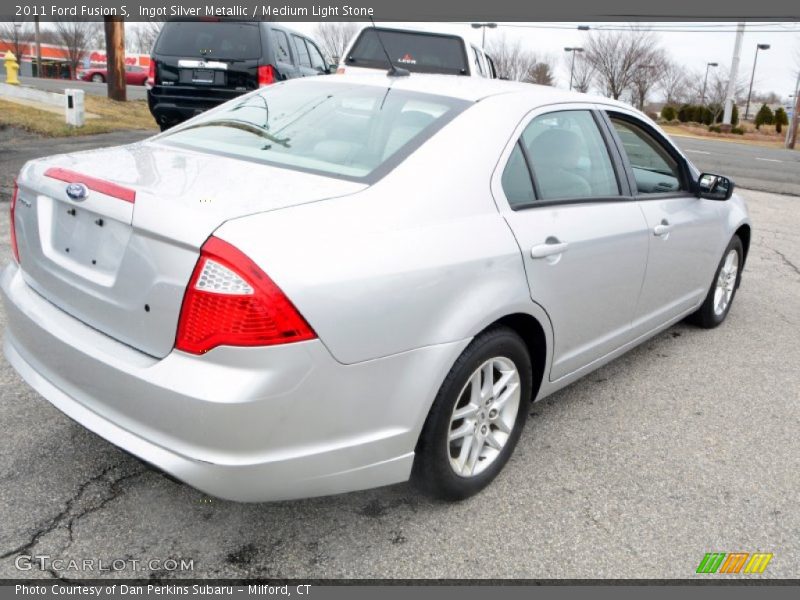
(791, 132)
(38, 41)
(792, 139)
(737, 51)
(115, 58)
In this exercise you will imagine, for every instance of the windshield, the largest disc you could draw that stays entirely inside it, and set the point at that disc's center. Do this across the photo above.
(210, 39)
(346, 130)
(414, 51)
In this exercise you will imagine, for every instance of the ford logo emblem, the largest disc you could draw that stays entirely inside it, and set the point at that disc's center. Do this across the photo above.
(77, 191)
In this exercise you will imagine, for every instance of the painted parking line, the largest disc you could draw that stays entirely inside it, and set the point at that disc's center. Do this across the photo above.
(768, 159)
(699, 151)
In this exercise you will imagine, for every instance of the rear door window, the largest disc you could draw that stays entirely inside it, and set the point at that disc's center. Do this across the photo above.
(568, 157)
(280, 44)
(416, 51)
(317, 62)
(302, 52)
(210, 40)
(516, 180)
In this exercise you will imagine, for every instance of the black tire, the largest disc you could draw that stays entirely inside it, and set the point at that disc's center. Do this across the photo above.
(432, 472)
(706, 316)
(97, 78)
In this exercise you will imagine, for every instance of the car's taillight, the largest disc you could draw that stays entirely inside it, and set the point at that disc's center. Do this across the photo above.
(151, 74)
(230, 301)
(266, 75)
(14, 248)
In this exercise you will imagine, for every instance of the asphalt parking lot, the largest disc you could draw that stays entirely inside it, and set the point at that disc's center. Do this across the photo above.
(686, 445)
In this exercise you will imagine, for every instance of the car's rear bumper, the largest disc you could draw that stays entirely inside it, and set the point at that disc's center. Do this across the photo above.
(173, 105)
(247, 424)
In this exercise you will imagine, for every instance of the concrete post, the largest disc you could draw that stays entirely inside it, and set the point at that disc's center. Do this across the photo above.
(74, 109)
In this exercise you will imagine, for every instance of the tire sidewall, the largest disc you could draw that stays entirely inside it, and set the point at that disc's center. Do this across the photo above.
(433, 454)
(708, 306)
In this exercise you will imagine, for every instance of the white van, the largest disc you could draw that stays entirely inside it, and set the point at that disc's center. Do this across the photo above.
(417, 52)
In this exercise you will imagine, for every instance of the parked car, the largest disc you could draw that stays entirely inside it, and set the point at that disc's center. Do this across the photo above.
(416, 52)
(197, 65)
(134, 75)
(312, 296)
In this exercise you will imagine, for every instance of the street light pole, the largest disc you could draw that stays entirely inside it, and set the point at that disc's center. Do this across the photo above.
(572, 68)
(752, 76)
(483, 26)
(705, 82)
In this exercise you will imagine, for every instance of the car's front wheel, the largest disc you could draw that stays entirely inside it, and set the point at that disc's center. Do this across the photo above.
(719, 299)
(477, 417)
(97, 78)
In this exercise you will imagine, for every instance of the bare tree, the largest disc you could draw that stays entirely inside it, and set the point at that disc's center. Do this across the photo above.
(582, 74)
(617, 57)
(76, 37)
(766, 97)
(334, 38)
(516, 63)
(646, 76)
(717, 88)
(18, 34)
(140, 37)
(673, 83)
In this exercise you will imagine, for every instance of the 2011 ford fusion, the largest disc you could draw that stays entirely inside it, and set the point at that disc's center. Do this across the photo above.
(346, 282)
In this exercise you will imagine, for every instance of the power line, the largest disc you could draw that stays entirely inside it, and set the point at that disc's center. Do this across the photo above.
(773, 28)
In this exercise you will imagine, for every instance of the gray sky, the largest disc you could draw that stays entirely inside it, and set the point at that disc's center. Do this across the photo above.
(776, 70)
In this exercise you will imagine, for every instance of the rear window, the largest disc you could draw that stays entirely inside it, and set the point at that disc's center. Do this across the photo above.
(345, 130)
(210, 39)
(415, 51)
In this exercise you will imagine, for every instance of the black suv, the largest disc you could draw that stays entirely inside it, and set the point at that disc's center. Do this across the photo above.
(197, 65)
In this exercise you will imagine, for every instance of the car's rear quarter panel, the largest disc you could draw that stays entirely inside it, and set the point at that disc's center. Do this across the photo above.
(420, 258)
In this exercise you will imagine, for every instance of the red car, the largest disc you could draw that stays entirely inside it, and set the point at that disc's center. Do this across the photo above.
(133, 75)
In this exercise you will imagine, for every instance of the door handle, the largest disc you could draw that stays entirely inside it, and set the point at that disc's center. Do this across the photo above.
(662, 229)
(548, 249)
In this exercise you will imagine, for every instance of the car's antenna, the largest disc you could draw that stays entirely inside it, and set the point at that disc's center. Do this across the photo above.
(393, 71)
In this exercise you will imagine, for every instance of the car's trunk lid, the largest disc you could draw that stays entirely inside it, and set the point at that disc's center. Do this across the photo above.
(120, 258)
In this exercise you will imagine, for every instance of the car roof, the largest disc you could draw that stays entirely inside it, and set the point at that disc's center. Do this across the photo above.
(472, 89)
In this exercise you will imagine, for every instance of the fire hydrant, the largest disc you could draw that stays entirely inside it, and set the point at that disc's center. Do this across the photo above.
(12, 68)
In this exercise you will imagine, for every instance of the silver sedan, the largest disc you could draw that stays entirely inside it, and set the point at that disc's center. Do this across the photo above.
(337, 283)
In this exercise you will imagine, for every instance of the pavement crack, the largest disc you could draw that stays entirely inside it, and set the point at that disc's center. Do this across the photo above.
(68, 516)
(785, 260)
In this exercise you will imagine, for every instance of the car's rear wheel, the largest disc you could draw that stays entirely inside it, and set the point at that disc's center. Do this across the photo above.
(477, 417)
(720, 296)
(97, 78)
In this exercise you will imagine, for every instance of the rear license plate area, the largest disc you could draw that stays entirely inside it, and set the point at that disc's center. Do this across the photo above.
(82, 241)
(202, 76)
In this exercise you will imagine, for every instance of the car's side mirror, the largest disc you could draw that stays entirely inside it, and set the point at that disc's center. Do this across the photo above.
(714, 187)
